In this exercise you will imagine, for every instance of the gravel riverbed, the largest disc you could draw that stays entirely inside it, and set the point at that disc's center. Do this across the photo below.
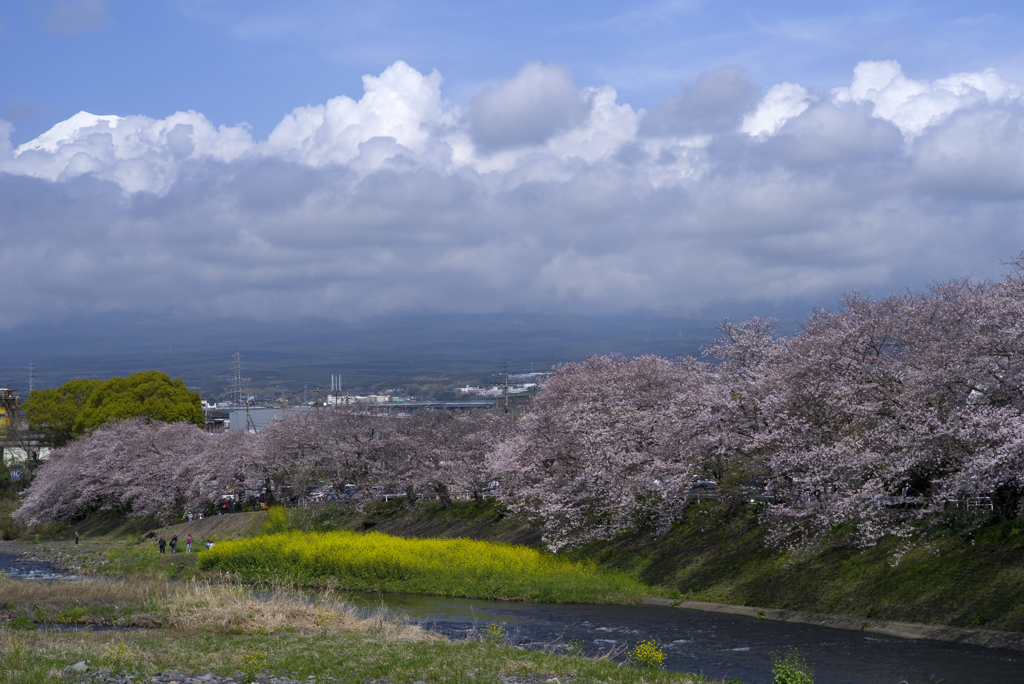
(81, 673)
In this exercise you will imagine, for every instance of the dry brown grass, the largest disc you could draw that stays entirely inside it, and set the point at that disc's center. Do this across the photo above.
(98, 601)
(89, 591)
(204, 607)
(200, 607)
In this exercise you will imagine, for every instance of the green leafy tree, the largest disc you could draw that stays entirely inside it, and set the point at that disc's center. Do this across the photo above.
(150, 394)
(53, 412)
(80, 406)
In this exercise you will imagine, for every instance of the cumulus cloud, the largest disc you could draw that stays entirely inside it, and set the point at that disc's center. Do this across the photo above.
(401, 105)
(715, 103)
(915, 105)
(559, 199)
(782, 103)
(528, 109)
(136, 152)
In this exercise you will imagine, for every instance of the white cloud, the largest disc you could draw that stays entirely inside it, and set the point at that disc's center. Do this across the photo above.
(607, 127)
(782, 103)
(915, 105)
(136, 152)
(401, 104)
(391, 202)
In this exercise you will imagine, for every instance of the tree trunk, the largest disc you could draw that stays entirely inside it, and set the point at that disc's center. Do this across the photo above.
(410, 495)
(443, 495)
(1006, 501)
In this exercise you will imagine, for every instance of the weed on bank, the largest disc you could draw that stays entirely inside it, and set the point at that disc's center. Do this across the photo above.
(41, 657)
(448, 567)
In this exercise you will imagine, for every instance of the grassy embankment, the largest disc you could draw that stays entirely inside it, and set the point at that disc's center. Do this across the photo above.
(223, 629)
(961, 570)
(956, 573)
(315, 552)
(198, 627)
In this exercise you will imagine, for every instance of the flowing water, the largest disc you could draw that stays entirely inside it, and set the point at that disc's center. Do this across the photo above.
(13, 565)
(719, 645)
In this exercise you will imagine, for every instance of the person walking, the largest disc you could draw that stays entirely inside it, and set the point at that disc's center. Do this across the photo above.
(163, 545)
(76, 537)
(188, 543)
(174, 544)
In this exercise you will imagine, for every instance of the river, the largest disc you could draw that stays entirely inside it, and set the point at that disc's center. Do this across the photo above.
(719, 645)
(15, 566)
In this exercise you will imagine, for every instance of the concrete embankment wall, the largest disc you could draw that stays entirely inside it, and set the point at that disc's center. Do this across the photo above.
(989, 638)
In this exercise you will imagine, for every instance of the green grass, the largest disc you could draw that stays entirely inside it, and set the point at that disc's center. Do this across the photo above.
(447, 567)
(144, 560)
(955, 573)
(8, 504)
(39, 657)
(227, 630)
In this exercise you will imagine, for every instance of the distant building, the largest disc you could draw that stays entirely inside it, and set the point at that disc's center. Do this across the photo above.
(217, 420)
(258, 416)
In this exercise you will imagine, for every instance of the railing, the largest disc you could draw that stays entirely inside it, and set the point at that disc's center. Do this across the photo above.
(972, 502)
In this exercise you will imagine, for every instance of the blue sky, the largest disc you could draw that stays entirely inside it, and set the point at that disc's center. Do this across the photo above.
(275, 161)
(253, 61)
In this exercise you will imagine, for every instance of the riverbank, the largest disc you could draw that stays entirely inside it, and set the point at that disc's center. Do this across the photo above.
(963, 571)
(957, 574)
(224, 633)
(986, 638)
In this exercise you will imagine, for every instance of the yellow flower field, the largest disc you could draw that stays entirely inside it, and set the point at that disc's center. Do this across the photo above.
(452, 567)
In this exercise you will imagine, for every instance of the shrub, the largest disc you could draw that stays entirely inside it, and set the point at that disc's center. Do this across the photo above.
(495, 634)
(251, 661)
(13, 653)
(576, 649)
(791, 668)
(118, 656)
(647, 654)
(277, 520)
(22, 622)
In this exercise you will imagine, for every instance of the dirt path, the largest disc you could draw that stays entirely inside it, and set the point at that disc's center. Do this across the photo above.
(214, 528)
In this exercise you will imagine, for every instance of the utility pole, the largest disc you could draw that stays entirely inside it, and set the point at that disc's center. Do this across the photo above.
(504, 370)
(238, 379)
(336, 388)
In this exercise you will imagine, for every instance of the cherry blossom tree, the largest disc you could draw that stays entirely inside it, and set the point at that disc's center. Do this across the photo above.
(145, 468)
(885, 411)
(875, 414)
(438, 450)
(600, 449)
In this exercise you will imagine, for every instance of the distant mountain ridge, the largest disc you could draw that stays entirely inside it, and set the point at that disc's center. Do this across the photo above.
(372, 353)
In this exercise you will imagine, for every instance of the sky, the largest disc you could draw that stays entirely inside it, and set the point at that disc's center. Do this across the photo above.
(276, 161)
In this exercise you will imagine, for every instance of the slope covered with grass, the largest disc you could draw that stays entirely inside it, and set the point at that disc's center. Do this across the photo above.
(955, 573)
